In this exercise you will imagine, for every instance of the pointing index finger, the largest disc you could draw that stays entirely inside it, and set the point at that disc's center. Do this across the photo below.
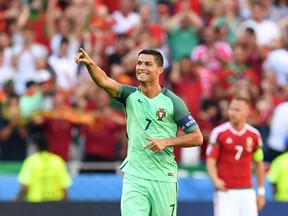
(83, 52)
(149, 143)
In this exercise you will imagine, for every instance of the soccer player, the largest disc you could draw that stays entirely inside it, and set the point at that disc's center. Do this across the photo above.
(278, 177)
(233, 146)
(44, 175)
(153, 115)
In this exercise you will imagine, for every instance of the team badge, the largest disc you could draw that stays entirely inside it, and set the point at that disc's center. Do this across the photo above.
(229, 140)
(161, 114)
(249, 144)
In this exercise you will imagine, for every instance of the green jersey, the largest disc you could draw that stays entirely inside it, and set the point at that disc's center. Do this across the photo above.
(158, 117)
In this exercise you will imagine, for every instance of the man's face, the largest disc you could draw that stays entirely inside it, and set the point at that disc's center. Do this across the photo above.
(147, 69)
(238, 111)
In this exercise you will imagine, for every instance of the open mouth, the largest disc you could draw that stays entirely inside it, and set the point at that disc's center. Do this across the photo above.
(142, 74)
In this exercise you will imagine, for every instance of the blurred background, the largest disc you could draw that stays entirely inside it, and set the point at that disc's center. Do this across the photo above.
(212, 49)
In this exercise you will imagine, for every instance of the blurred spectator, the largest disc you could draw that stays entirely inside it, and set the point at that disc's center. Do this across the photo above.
(6, 46)
(148, 34)
(278, 130)
(277, 62)
(126, 18)
(244, 9)
(152, 6)
(210, 9)
(271, 96)
(182, 31)
(37, 95)
(278, 10)
(211, 54)
(104, 139)
(229, 20)
(31, 100)
(26, 57)
(125, 72)
(99, 35)
(208, 118)
(13, 132)
(236, 70)
(187, 82)
(33, 14)
(7, 71)
(163, 13)
(65, 69)
(215, 11)
(78, 12)
(44, 175)
(154, 31)
(9, 10)
(113, 5)
(193, 5)
(256, 55)
(118, 50)
(60, 26)
(278, 174)
(283, 24)
(57, 125)
(266, 30)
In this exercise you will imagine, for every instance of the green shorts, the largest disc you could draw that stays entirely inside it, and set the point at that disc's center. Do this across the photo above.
(142, 196)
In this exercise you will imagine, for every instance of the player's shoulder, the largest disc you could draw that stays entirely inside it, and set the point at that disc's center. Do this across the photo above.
(125, 92)
(218, 130)
(222, 127)
(171, 95)
(252, 129)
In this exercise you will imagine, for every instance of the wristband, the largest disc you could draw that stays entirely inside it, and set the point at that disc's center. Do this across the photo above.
(261, 191)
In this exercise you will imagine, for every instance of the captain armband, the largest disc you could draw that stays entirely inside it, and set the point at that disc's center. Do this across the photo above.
(186, 122)
(258, 155)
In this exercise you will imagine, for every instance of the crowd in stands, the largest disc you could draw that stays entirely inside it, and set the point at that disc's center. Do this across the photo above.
(212, 49)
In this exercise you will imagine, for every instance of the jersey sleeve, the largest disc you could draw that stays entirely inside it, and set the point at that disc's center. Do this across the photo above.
(183, 117)
(213, 147)
(25, 174)
(257, 150)
(125, 91)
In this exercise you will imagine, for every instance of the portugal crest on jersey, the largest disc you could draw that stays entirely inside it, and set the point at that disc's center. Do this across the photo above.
(161, 114)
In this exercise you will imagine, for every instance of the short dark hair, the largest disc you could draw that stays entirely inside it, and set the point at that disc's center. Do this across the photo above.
(250, 31)
(30, 83)
(40, 141)
(157, 55)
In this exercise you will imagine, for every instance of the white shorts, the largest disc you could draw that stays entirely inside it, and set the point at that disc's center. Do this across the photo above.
(236, 202)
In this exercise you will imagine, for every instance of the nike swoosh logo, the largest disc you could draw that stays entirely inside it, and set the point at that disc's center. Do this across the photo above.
(140, 100)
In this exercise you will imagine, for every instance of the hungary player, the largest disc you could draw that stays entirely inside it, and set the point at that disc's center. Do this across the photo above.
(233, 146)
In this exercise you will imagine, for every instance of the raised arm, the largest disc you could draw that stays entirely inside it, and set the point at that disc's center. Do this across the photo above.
(97, 74)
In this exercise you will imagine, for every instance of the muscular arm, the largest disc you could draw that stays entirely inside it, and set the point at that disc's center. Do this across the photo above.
(97, 74)
(192, 139)
(260, 175)
(211, 167)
